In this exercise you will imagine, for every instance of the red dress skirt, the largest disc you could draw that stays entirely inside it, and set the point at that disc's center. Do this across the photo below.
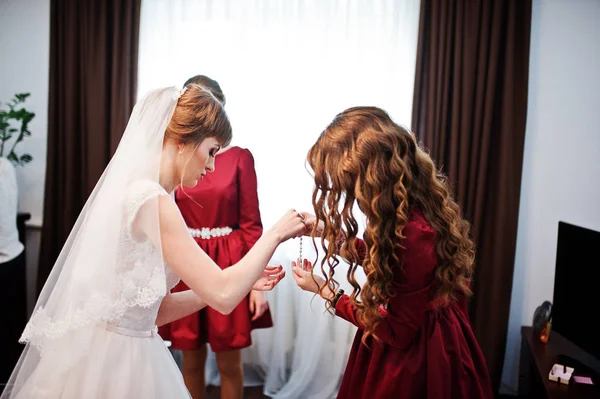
(226, 198)
(424, 350)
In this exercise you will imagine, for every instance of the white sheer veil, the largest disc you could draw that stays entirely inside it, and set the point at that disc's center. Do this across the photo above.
(86, 286)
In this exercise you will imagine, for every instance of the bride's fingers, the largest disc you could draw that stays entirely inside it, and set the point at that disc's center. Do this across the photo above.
(281, 275)
(273, 279)
(273, 269)
(274, 272)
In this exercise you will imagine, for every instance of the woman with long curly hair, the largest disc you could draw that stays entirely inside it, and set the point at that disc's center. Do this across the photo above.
(414, 338)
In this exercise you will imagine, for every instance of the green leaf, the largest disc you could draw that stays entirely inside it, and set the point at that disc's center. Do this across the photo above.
(21, 97)
(14, 124)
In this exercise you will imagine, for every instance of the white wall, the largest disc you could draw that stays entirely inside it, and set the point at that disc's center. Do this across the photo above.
(561, 171)
(25, 48)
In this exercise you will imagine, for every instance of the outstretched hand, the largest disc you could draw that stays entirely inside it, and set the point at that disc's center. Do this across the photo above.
(269, 278)
(305, 279)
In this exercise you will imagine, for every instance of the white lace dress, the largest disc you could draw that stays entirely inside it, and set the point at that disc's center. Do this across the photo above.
(126, 359)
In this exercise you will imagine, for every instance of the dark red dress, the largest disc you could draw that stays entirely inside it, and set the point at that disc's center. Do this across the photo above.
(227, 198)
(425, 351)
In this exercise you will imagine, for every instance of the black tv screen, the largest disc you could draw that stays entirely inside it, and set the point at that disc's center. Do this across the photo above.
(576, 302)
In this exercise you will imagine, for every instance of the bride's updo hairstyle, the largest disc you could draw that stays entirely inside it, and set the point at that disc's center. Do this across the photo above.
(198, 116)
(209, 84)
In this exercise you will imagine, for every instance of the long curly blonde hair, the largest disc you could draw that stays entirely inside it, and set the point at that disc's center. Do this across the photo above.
(363, 157)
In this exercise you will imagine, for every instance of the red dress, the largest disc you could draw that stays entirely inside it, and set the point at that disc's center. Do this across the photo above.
(227, 198)
(424, 352)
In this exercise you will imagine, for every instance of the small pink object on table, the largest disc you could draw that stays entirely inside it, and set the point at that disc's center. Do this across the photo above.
(583, 380)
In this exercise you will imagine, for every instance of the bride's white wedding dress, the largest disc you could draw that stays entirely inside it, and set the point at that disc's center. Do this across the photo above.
(92, 334)
(126, 358)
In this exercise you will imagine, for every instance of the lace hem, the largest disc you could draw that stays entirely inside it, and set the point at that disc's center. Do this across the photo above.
(141, 280)
(133, 290)
(42, 327)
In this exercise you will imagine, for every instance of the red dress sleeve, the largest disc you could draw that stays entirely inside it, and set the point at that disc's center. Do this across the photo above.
(412, 287)
(250, 223)
(402, 320)
(361, 249)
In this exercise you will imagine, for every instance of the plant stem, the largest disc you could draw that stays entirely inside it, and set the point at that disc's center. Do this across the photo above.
(17, 141)
(2, 146)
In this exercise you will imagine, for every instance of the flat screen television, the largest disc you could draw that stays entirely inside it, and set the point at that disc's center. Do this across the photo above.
(576, 301)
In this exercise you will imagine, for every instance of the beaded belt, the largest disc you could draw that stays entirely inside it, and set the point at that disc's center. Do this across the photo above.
(205, 233)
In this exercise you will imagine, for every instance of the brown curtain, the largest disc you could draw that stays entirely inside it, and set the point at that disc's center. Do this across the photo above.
(469, 110)
(93, 83)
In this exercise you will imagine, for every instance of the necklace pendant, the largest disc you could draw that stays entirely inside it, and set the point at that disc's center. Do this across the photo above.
(300, 261)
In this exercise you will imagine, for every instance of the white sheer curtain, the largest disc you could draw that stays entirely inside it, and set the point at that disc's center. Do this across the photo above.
(287, 67)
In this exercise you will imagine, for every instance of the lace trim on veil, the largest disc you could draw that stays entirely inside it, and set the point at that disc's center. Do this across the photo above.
(142, 281)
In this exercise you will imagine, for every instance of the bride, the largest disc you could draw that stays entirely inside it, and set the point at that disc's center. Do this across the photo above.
(93, 331)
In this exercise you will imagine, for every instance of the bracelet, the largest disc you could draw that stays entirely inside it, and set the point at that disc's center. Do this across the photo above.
(337, 297)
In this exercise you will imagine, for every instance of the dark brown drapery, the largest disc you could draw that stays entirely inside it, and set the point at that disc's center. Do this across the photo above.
(469, 110)
(93, 83)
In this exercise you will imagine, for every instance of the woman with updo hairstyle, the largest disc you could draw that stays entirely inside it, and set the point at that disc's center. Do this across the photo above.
(93, 333)
(222, 213)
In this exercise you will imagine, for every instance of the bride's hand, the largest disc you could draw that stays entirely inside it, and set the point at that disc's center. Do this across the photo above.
(269, 278)
(309, 222)
(289, 226)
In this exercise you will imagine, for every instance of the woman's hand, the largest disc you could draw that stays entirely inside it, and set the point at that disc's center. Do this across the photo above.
(269, 278)
(258, 304)
(304, 277)
(309, 222)
(290, 225)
